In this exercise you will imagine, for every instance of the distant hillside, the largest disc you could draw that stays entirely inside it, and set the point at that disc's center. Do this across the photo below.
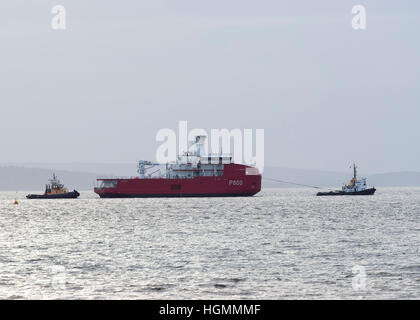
(23, 178)
(31, 179)
(336, 179)
(395, 179)
(120, 169)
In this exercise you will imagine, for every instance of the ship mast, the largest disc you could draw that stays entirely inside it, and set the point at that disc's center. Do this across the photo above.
(355, 171)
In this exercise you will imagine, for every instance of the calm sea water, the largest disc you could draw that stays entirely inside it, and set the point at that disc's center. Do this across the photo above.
(280, 244)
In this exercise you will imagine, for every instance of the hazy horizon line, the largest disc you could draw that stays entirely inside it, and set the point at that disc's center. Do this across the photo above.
(33, 164)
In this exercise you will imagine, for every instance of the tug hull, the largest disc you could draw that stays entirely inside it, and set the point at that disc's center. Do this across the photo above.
(366, 192)
(68, 195)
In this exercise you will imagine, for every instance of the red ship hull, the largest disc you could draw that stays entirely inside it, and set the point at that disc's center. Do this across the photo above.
(235, 182)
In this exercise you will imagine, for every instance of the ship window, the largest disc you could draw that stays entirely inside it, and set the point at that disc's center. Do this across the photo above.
(108, 184)
(250, 171)
(175, 187)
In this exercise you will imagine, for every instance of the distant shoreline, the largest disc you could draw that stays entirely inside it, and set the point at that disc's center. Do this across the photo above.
(13, 177)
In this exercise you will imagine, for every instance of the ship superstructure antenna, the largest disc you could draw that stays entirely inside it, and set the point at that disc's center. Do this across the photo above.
(355, 171)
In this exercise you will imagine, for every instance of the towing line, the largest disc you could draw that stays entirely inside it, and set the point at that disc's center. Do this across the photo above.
(288, 182)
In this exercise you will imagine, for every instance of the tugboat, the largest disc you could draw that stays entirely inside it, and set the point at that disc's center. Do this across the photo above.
(356, 187)
(55, 190)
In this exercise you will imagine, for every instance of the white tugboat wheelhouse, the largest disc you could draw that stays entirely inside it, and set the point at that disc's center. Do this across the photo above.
(355, 184)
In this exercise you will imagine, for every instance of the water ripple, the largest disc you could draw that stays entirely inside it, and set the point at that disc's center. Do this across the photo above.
(280, 244)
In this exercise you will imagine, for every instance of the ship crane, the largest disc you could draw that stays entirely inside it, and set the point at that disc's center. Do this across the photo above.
(144, 165)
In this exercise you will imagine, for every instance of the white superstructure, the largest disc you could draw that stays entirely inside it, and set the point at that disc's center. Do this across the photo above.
(192, 163)
(355, 184)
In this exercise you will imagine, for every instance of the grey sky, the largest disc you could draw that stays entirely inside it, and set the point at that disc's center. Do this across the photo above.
(325, 94)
